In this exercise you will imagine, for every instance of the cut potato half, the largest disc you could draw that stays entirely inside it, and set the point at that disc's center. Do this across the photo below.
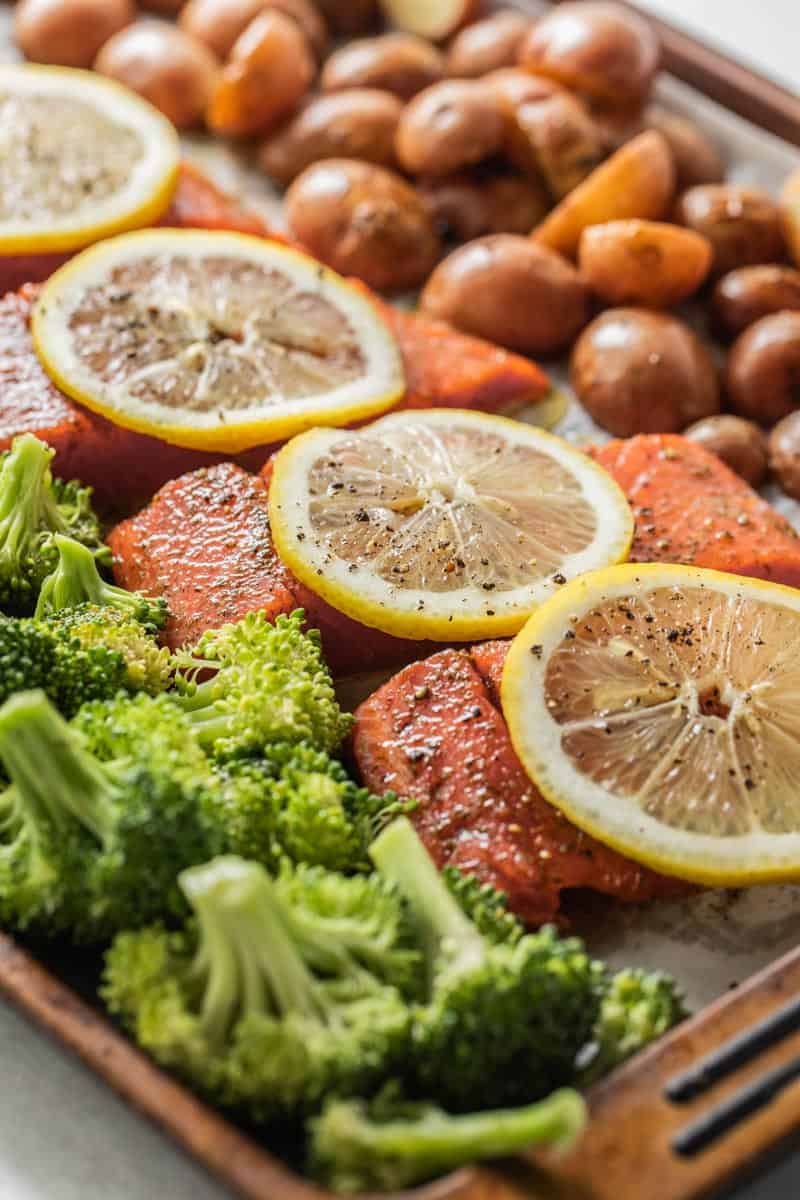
(212, 340)
(81, 158)
(659, 707)
(442, 523)
(435, 19)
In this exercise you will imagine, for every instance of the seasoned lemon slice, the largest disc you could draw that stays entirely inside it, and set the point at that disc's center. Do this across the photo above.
(659, 707)
(218, 341)
(81, 158)
(441, 523)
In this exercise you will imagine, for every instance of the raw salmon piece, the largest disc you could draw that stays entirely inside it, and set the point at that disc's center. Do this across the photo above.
(690, 508)
(204, 543)
(489, 659)
(433, 733)
(197, 204)
(448, 369)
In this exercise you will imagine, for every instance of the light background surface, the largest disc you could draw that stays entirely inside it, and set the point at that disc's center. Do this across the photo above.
(63, 1134)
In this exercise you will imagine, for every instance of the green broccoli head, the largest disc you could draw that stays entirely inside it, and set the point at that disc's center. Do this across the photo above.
(485, 906)
(270, 684)
(75, 581)
(33, 656)
(391, 1144)
(298, 802)
(233, 1004)
(147, 666)
(34, 508)
(92, 846)
(636, 1008)
(500, 1021)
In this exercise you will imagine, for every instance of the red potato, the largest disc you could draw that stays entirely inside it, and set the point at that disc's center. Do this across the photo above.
(450, 125)
(510, 291)
(487, 45)
(365, 221)
(637, 371)
(173, 71)
(68, 33)
(393, 62)
(269, 71)
(597, 49)
(358, 123)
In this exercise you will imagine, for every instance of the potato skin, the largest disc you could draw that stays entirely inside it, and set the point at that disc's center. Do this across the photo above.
(697, 159)
(394, 62)
(458, 204)
(365, 221)
(449, 125)
(510, 291)
(349, 16)
(784, 454)
(647, 263)
(594, 48)
(487, 45)
(218, 23)
(743, 224)
(762, 376)
(68, 33)
(637, 181)
(639, 371)
(747, 294)
(740, 444)
(269, 71)
(358, 123)
(174, 72)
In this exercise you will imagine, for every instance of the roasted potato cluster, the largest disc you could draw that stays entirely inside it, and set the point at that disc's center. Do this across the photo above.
(515, 169)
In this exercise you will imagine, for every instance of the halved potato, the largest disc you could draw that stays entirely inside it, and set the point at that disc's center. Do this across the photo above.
(637, 181)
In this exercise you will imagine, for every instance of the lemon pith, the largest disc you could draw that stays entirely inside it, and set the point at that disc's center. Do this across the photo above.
(214, 340)
(442, 524)
(81, 158)
(657, 706)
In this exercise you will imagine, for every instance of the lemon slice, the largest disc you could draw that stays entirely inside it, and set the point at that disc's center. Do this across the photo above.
(442, 523)
(81, 158)
(213, 340)
(659, 707)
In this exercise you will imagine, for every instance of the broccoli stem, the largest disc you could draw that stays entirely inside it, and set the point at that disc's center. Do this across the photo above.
(356, 1151)
(53, 776)
(76, 580)
(401, 858)
(27, 508)
(246, 959)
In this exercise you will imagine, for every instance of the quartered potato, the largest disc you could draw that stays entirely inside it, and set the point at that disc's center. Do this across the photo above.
(269, 71)
(553, 137)
(637, 181)
(643, 262)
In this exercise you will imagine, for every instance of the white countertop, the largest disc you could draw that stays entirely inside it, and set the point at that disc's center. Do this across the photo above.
(63, 1134)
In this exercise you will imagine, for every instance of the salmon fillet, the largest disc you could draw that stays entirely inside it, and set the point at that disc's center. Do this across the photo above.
(204, 543)
(690, 507)
(435, 733)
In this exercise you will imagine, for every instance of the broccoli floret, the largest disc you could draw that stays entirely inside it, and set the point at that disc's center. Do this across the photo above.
(485, 906)
(34, 507)
(390, 1144)
(502, 1022)
(637, 1007)
(90, 846)
(75, 580)
(33, 656)
(300, 803)
(270, 684)
(147, 666)
(232, 1004)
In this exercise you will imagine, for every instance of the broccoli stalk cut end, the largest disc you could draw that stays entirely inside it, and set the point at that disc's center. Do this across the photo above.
(357, 1147)
(77, 581)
